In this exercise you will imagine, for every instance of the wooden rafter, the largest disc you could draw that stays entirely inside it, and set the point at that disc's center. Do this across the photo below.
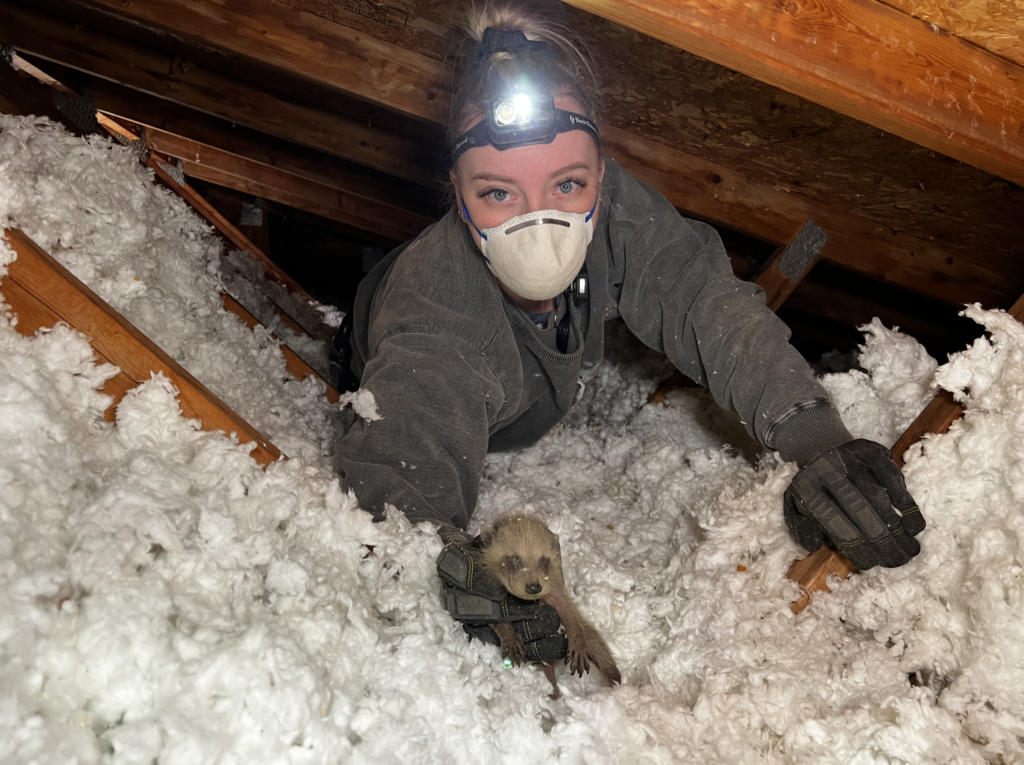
(859, 57)
(56, 292)
(167, 117)
(205, 90)
(324, 196)
(319, 50)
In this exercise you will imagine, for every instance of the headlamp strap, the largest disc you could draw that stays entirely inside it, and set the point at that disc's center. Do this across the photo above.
(479, 134)
(503, 41)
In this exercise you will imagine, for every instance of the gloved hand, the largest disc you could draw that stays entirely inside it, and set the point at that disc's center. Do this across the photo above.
(848, 494)
(474, 596)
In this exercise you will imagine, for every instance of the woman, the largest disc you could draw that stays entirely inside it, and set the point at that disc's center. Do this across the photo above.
(477, 335)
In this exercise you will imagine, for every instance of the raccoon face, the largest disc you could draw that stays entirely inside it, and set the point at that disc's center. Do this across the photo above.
(526, 579)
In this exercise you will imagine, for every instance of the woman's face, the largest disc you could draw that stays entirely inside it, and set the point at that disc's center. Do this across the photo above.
(496, 186)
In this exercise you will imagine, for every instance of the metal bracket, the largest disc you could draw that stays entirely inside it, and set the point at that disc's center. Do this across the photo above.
(80, 111)
(252, 213)
(176, 172)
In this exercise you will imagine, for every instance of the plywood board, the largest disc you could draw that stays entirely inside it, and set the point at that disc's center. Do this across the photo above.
(998, 27)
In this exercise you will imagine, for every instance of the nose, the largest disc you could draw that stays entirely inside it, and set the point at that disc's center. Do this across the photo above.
(533, 588)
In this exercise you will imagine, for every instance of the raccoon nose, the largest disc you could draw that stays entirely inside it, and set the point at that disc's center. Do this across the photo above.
(533, 588)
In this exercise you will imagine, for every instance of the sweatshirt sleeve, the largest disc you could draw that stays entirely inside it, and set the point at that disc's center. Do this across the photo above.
(436, 398)
(680, 297)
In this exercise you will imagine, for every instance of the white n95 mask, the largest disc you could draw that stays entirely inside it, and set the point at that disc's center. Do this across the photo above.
(537, 255)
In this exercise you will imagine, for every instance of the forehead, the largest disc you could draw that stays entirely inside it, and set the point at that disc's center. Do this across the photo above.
(525, 162)
(538, 160)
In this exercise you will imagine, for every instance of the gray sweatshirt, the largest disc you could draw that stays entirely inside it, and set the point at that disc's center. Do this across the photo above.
(457, 369)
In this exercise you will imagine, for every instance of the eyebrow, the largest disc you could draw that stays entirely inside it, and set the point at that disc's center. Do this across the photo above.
(570, 168)
(503, 179)
(492, 177)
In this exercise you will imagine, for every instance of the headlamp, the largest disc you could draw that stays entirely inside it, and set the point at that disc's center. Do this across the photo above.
(521, 119)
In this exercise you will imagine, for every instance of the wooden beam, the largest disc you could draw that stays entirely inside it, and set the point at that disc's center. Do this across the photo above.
(787, 266)
(327, 199)
(859, 57)
(169, 118)
(942, 411)
(21, 65)
(725, 196)
(223, 225)
(118, 341)
(205, 90)
(32, 315)
(323, 51)
(326, 52)
(23, 95)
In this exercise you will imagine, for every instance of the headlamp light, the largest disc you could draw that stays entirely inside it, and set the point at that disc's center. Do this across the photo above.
(521, 119)
(506, 113)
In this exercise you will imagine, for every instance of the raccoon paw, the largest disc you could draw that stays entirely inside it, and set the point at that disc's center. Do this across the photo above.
(578, 661)
(512, 647)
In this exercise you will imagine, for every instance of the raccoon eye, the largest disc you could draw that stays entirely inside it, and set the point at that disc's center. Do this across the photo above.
(512, 563)
(545, 564)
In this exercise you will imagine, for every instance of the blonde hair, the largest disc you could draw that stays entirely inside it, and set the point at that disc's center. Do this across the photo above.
(567, 69)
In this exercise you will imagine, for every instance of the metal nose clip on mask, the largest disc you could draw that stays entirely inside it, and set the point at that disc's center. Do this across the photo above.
(537, 255)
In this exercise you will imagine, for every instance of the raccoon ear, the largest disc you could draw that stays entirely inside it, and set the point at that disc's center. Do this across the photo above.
(512, 563)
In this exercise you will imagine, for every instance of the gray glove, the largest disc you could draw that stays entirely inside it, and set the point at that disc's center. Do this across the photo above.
(851, 494)
(473, 596)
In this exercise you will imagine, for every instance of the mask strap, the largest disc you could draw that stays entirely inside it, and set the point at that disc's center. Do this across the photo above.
(589, 214)
(471, 223)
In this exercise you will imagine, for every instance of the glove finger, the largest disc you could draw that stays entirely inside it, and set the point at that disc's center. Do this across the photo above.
(514, 609)
(876, 458)
(545, 624)
(895, 546)
(888, 474)
(816, 489)
(471, 608)
(463, 567)
(804, 530)
(551, 648)
(529, 630)
(482, 632)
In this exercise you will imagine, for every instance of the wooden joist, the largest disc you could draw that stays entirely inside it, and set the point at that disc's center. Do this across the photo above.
(320, 50)
(55, 294)
(22, 95)
(224, 226)
(859, 57)
(192, 85)
(942, 411)
(786, 268)
(183, 122)
(327, 199)
(33, 315)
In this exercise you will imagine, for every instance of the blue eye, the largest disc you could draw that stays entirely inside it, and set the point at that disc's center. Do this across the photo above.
(567, 187)
(499, 195)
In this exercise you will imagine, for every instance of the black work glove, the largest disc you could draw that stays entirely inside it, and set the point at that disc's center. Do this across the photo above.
(474, 596)
(851, 495)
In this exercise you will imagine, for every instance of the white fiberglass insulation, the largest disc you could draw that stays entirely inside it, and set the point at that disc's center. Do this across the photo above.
(163, 599)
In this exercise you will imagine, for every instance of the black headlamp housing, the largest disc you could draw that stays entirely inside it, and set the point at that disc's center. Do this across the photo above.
(521, 119)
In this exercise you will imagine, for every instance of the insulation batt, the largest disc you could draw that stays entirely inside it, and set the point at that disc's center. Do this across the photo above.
(162, 599)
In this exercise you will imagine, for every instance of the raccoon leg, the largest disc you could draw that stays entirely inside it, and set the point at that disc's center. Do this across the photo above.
(549, 673)
(585, 642)
(511, 646)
